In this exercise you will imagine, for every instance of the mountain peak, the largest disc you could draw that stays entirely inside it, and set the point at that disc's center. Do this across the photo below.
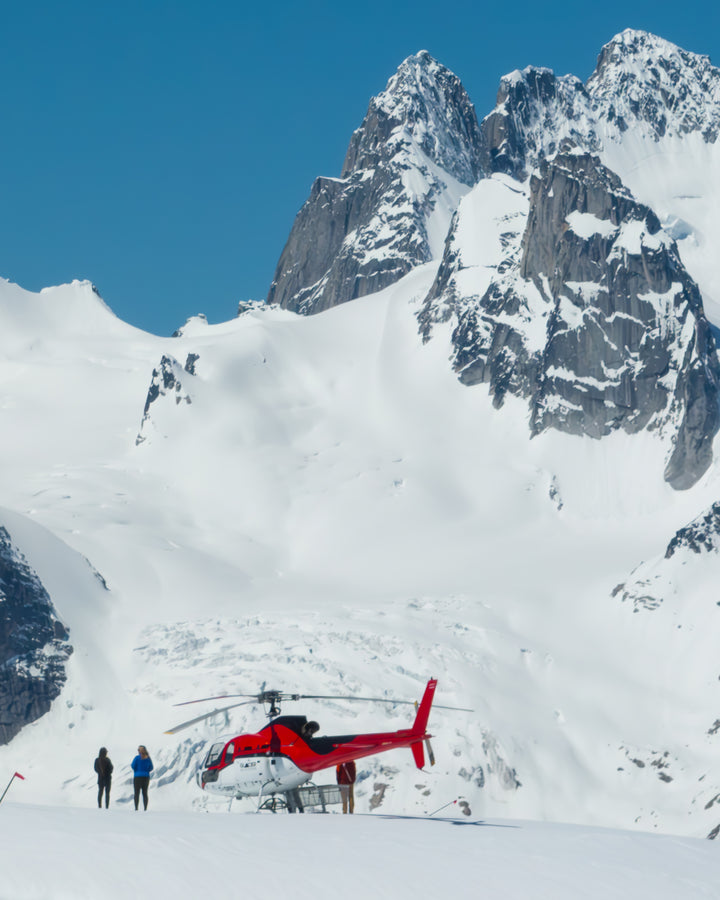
(634, 42)
(415, 154)
(423, 106)
(641, 78)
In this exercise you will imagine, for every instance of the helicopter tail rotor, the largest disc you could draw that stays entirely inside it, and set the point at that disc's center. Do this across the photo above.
(423, 713)
(419, 728)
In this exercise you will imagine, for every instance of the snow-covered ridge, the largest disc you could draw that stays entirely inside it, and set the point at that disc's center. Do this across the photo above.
(424, 104)
(643, 87)
(642, 80)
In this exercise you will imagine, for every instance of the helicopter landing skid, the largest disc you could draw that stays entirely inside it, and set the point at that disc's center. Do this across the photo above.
(273, 803)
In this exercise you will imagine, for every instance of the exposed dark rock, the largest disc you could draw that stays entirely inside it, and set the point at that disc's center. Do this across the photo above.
(626, 344)
(405, 169)
(535, 111)
(192, 358)
(167, 381)
(701, 535)
(34, 645)
(641, 83)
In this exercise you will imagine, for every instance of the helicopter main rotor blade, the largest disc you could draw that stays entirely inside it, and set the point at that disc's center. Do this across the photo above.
(204, 716)
(373, 700)
(219, 697)
(280, 696)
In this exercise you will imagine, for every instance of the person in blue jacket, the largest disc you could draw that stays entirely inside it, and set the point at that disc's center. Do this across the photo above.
(142, 767)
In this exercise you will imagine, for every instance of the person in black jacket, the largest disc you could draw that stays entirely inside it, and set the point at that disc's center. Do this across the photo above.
(104, 769)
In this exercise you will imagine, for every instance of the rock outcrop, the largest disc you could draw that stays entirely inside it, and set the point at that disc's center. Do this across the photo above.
(167, 381)
(560, 285)
(588, 313)
(416, 153)
(34, 644)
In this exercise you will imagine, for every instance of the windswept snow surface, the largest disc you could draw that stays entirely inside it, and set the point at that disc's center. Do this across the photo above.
(321, 507)
(113, 855)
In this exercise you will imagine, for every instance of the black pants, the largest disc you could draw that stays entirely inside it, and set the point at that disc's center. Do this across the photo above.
(140, 783)
(104, 787)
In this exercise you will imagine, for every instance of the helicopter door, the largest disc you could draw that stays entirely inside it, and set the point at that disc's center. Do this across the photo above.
(214, 755)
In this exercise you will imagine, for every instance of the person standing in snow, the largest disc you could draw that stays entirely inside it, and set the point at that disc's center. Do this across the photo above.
(142, 767)
(346, 775)
(104, 769)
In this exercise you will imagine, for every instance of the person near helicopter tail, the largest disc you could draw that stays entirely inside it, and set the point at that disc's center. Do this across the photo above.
(142, 766)
(104, 769)
(346, 775)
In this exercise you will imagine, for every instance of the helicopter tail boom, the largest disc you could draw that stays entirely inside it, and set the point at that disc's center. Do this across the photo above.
(418, 754)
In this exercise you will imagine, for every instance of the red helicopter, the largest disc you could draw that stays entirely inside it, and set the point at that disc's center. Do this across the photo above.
(286, 752)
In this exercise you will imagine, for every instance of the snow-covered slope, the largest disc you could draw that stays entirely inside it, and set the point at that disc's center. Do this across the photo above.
(318, 504)
(334, 511)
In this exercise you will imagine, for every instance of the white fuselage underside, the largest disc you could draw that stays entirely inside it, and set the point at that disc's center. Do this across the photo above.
(254, 776)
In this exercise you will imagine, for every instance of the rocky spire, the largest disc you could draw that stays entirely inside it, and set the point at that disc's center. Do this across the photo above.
(535, 112)
(407, 166)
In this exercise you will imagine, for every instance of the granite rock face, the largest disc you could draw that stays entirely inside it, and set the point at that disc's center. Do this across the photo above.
(641, 85)
(34, 645)
(569, 293)
(535, 112)
(416, 153)
(588, 313)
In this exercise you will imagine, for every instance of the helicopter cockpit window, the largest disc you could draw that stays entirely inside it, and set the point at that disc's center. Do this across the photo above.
(229, 753)
(309, 729)
(213, 757)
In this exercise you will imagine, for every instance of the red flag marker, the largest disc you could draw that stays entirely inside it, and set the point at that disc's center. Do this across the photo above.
(16, 775)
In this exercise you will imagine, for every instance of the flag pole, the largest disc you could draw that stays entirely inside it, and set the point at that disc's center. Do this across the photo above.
(16, 775)
(443, 807)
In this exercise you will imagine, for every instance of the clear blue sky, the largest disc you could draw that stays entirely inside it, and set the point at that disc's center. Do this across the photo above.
(162, 149)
